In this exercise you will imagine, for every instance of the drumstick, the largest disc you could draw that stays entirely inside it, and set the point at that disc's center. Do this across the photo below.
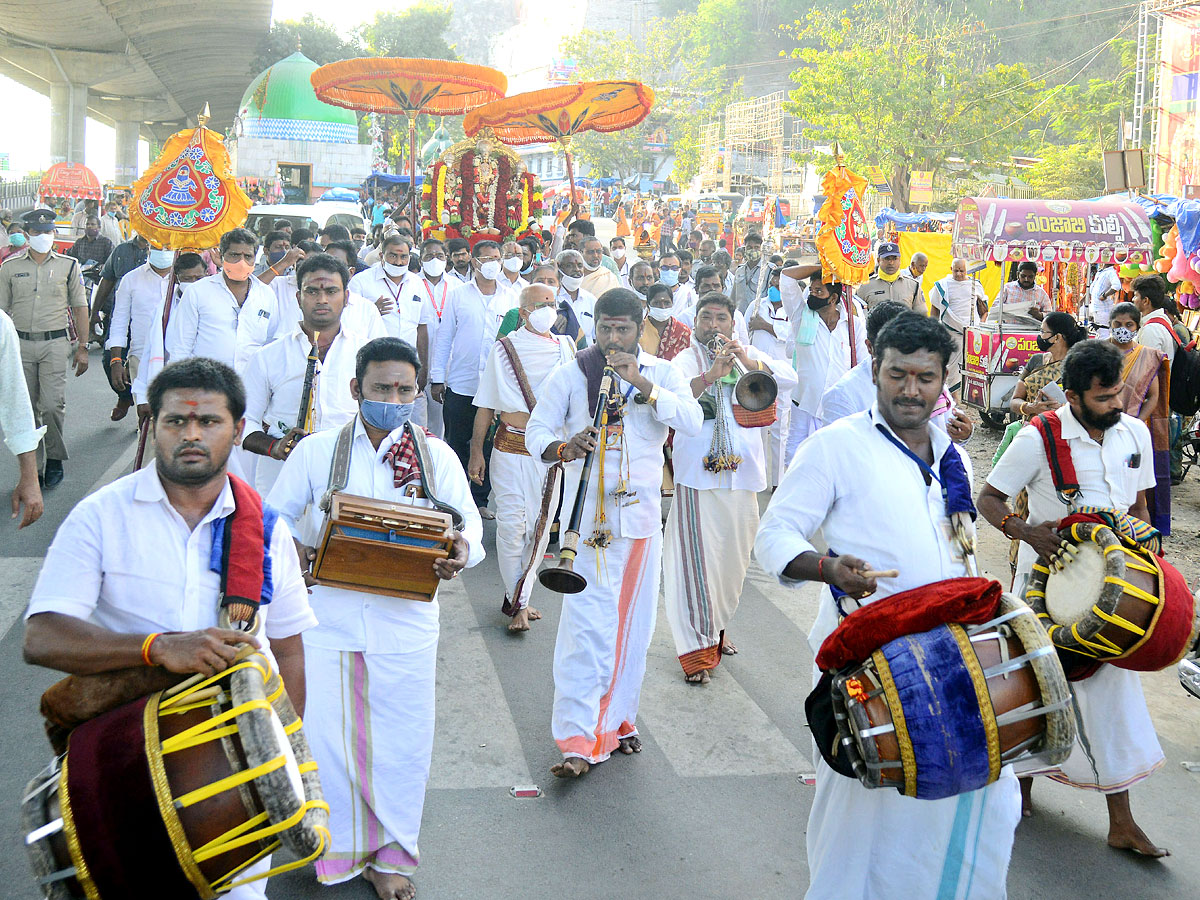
(886, 573)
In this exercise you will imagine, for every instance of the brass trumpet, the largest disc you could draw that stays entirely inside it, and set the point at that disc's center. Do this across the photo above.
(563, 579)
(755, 390)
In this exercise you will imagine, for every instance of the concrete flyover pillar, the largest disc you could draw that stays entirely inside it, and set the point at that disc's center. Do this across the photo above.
(68, 113)
(127, 150)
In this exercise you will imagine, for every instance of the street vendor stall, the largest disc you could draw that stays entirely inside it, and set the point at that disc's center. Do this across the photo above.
(1066, 238)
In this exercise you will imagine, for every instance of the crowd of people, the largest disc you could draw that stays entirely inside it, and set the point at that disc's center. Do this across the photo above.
(481, 377)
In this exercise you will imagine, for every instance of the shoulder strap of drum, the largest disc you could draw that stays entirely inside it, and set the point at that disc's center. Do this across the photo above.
(428, 477)
(519, 370)
(1058, 454)
(339, 466)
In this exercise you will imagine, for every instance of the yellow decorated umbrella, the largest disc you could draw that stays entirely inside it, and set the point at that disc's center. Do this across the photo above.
(408, 87)
(188, 198)
(559, 113)
(844, 241)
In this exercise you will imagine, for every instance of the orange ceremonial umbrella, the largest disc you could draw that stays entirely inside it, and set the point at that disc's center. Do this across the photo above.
(68, 179)
(844, 240)
(560, 113)
(408, 87)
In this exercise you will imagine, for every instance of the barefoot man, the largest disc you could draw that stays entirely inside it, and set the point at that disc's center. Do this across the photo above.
(1116, 746)
(718, 474)
(604, 632)
(371, 661)
(526, 495)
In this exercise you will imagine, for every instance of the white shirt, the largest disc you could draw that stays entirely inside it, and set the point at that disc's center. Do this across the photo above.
(454, 273)
(563, 412)
(820, 364)
(774, 342)
(433, 305)
(465, 336)
(688, 317)
(1105, 475)
(16, 412)
(209, 322)
(1107, 280)
(139, 293)
(160, 580)
(111, 229)
(954, 301)
(688, 452)
(539, 354)
(584, 307)
(356, 621)
(623, 270)
(1156, 332)
(359, 314)
(274, 382)
(402, 321)
(151, 362)
(869, 500)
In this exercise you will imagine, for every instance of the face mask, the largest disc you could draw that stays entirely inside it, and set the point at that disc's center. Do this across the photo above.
(572, 282)
(773, 295)
(490, 270)
(529, 268)
(542, 318)
(237, 271)
(752, 256)
(816, 303)
(273, 257)
(590, 268)
(394, 271)
(161, 259)
(1124, 335)
(16, 240)
(513, 264)
(658, 313)
(668, 277)
(434, 267)
(385, 416)
(618, 253)
(1045, 343)
(41, 243)
(885, 277)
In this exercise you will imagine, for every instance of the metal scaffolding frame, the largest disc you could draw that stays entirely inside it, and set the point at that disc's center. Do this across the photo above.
(754, 143)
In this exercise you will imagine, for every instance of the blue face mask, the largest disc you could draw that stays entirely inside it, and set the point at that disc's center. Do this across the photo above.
(385, 416)
(773, 295)
(16, 239)
(669, 277)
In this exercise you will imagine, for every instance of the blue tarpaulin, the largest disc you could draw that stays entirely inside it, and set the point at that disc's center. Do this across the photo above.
(385, 180)
(1157, 206)
(346, 195)
(899, 220)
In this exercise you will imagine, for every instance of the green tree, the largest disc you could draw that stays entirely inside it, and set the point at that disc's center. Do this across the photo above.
(900, 86)
(684, 86)
(1068, 173)
(419, 31)
(314, 38)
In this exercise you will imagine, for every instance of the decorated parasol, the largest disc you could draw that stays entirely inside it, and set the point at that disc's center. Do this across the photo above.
(559, 113)
(69, 179)
(843, 242)
(188, 198)
(185, 201)
(408, 87)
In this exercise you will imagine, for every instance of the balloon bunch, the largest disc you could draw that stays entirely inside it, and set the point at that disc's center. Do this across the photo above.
(1179, 266)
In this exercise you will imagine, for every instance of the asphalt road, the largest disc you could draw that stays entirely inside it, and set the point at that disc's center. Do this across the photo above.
(714, 806)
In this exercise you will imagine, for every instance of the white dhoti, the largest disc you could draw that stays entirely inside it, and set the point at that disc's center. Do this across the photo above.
(802, 425)
(600, 653)
(1115, 745)
(265, 472)
(709, 539)
(952, 849)
(526, 496)
(428, 414)
(775, 443)
(375, 788)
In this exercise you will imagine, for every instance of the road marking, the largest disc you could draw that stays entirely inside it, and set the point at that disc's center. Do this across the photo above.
(475, 740)
(712, 730)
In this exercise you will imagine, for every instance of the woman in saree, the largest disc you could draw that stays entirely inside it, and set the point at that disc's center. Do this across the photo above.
(1145, 394)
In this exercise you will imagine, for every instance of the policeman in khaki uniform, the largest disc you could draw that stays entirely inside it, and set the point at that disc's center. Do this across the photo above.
(889, 283)
(39, 289)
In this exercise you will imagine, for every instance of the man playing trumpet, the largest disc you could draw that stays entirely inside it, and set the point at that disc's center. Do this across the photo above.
(718, 474)
(604, 632)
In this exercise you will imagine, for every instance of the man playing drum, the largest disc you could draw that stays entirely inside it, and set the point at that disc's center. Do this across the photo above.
(372, 659)
(127, 581)
(1112, 456)
(859, 482)
(604, 632)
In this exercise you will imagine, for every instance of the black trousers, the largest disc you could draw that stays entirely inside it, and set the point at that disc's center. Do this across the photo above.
(458, 415)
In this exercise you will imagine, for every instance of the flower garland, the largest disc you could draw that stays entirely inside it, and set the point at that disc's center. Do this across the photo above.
(443, 217)
(468, 214)
(500, 186)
